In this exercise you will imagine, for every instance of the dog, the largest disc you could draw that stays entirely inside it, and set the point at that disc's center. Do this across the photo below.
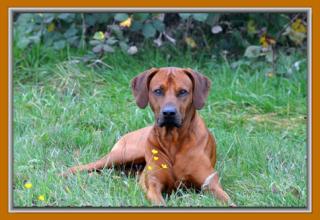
(178, 148)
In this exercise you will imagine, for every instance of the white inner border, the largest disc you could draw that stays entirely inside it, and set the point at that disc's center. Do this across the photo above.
(11, 209)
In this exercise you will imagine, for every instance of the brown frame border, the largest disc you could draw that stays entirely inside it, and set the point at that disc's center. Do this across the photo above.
(4, 6)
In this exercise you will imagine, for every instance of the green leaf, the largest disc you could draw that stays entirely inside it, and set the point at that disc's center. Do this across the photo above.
(200, 16)
(141, 16)
(184, 15)
(71, 32)
(74, 40)
(98, 48)
(148, 30)
(213, 19)
(159, 25)
(124, 46)
(59, 44)
(23, 42)
(111, 41)
(102, 18)
(48, 17)
(94, 42)
(269, 56)
(107, 48)
(90, 20)
(121, 16)
(136, 26)
(253, 51)
(116, 29)
(68, 17)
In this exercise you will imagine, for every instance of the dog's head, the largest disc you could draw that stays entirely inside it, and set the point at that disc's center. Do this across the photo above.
(171, 92)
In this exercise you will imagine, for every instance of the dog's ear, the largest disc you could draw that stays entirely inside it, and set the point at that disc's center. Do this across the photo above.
(201, 86)
(140, 87)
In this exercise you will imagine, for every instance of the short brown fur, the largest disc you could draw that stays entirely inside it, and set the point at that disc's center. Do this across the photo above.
(174, 155)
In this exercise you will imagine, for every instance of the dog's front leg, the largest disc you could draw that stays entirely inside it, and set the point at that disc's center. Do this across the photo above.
(212, 184)
(153, 184)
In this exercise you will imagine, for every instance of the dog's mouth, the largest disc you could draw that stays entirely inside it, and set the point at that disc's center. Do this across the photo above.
(169, 122)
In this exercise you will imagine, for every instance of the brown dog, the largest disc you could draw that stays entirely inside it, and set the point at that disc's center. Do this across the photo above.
(178, 148)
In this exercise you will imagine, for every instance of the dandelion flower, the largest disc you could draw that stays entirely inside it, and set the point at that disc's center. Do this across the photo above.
(164, 166)
(28, 185)
(156, 158)
(41, 198)
(154, 151)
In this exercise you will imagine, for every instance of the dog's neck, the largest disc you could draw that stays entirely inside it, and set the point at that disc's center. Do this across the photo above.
(169, 139)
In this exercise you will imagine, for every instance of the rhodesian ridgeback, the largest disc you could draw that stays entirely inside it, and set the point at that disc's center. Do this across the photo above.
(178, 148)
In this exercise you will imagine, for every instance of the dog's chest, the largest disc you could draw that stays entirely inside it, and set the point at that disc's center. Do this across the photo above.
(183, 167)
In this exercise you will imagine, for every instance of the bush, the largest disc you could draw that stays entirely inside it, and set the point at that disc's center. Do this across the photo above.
(234, 34)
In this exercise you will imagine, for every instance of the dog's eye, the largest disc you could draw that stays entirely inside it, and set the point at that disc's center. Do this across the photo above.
(182, 92)
(158, 92)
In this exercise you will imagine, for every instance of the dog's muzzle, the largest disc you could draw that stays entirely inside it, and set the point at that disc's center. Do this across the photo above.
(169, 117)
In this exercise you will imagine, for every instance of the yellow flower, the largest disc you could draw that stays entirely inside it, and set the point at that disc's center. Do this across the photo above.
(156, 158)
(99, 36)
(164, 166)
(149, 167)
(28, 185)
(251, 27)
(190, 42)
(263, 41)
(41, 198)
(270, 74)
(154, 151)
(51, 27)
(298, 26)
(126, 23)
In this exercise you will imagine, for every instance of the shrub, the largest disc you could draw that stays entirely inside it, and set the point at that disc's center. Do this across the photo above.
(250, 34)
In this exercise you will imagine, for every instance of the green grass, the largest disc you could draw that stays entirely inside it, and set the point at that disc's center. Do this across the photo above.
(66, 113)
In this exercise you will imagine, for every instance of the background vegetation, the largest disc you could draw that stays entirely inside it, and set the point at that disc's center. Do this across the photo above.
(72, 101)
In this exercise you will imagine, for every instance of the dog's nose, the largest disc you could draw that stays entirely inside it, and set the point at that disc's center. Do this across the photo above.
(169, 111)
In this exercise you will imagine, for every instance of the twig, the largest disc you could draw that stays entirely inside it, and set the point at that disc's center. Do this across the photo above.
(83, 37)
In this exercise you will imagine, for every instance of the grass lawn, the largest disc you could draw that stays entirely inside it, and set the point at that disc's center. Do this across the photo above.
(66, 113)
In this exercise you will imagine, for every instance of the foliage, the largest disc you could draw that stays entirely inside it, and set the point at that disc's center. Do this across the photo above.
(234, 34)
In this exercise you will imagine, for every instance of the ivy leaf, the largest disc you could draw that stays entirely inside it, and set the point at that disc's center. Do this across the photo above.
(124, 46)
(158, 25)
(98, 48)
(23, 42)
(253, 51)
(121, 16)
(200, 16)
(71, 32)
(94, 42)
(68, 17)
(148, 30)
(107, 48)
(141, 16)
(111, 41)
(136, 26)
(59, 44)
(184, 15)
